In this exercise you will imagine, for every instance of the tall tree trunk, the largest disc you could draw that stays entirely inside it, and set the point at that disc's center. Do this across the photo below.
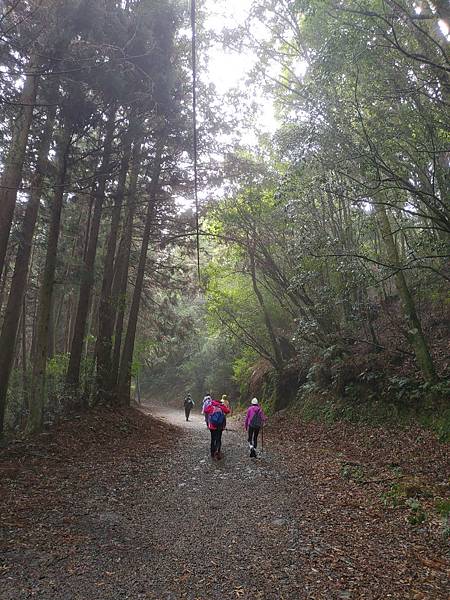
(4, 278)
(51, 329)
(281, 385)
(106, 308)
(37, 391)
(24, 352)
(12, 174)
(120, 281)
(414, 326)
(34, 328)
(277, 355)
(89, 365)
(62, 303)
(69, 333)
(87, 281)
(124, 380)
(20, 276)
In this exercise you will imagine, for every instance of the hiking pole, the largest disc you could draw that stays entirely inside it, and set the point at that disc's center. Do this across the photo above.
(262, 439)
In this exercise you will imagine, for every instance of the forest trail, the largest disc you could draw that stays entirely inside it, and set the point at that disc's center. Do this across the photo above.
(141, 517)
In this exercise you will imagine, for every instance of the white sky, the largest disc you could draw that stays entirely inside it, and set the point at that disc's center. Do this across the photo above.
(228, 69)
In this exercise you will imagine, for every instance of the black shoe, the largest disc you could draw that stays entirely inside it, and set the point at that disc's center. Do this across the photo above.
(252, 453)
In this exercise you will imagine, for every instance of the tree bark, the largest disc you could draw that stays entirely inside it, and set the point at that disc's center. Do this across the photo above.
(4, 278)
(277, 355)
(12, 174)
(73, 371)
(24, 351)
(414, 326)
(120, 281)
(106, 308)
(124, 380)
(16, 296)
(37, 392)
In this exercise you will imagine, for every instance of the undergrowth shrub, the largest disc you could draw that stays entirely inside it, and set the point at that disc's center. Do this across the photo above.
(392, 400)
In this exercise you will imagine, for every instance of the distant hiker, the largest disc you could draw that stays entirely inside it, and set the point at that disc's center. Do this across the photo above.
(188, 404)
(216, 412)
(225, 402)
(206, 401)
(254, 420)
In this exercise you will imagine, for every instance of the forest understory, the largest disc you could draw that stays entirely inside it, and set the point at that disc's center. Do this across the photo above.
(238, 197)
(122, 505)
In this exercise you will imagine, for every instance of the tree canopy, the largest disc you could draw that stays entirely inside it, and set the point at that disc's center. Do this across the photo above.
(324, 244)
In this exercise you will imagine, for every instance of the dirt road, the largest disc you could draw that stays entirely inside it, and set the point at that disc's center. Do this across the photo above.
(161, 521)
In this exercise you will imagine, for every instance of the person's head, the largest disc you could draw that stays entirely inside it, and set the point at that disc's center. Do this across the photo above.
(255, 401)
(224, 398)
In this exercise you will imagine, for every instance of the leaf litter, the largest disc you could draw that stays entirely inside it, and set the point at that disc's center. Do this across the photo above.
(121, 505)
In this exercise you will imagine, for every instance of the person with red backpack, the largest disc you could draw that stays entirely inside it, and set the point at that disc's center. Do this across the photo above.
(215, 412)
(254, 420)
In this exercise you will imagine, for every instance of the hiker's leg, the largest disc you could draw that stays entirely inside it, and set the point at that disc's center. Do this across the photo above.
(255, 436)
(252, 440)
(219, 439)
(213, 442)
(216, 436)
(250, 435)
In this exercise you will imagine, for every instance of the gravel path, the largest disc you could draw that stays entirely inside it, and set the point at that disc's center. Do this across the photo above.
(231, 535)
(166, 523)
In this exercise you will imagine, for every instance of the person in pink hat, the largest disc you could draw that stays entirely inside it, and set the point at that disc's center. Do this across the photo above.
(254, 420)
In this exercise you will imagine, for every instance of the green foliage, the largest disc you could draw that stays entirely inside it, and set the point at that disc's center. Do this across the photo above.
(16, 408)
(269, 394)
(299, 273)
(394, 497)
(352, 472)
(315, 403)
(443, 507)
(417, 515)
(189, 355)
(417, 498)
(209, 368)
(57, 367)
(56, 375)
(242, 370)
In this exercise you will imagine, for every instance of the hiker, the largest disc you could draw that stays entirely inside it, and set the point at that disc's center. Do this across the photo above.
(206, 401)
(225, 402)
(216, 411)
(254, 420)
(188, 404)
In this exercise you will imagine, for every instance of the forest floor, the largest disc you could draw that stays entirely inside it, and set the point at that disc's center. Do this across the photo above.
(113, 506)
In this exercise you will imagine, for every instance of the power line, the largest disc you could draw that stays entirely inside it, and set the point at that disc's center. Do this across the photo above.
(194, 122)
